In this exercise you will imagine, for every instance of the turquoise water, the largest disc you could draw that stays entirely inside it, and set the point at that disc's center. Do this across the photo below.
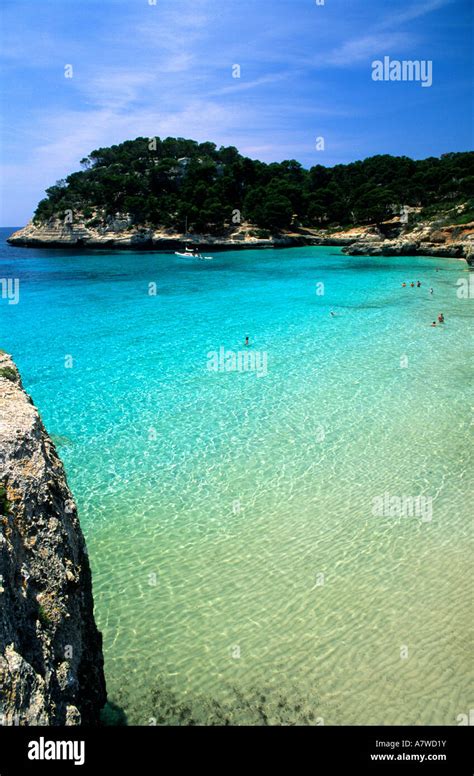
(239, 570)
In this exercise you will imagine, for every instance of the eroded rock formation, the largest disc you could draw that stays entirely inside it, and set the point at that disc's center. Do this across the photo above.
(51, 663)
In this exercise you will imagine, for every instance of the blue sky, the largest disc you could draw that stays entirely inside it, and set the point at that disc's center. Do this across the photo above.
(166, 70)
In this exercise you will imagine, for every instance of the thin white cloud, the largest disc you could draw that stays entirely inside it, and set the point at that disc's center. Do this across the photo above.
(239, 85)
(413, 12)
(383, 38)
(178, 62)
(115, 88)
(362, 49)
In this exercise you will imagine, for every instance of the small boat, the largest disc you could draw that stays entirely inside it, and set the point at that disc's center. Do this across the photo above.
(191, 253)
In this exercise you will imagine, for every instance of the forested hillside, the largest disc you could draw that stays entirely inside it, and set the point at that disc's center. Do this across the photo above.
(174, 182)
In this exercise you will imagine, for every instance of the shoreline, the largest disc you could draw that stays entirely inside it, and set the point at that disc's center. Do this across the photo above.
(456, 242)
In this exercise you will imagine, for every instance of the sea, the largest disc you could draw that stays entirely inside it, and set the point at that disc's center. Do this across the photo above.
(280, 532)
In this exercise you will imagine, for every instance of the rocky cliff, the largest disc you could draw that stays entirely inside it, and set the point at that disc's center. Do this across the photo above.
(118, 233)
(51, 663)
(388, 239)
(425, 239)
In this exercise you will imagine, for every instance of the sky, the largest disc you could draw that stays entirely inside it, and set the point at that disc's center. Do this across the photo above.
(166, 68)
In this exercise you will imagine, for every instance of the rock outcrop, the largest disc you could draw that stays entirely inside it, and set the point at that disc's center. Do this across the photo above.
(51, 663)
(426, 239)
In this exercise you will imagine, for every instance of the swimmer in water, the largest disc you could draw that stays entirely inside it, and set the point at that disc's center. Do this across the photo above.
(333, 315)
(404, 285)
(434, 323)
(431, 290)
(441, 318)
(412, 285)
(247, 340)
(418, 284)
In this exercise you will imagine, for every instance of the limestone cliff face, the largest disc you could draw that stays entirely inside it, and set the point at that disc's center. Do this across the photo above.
(426, 239)
(56, 233)
(51, 663)
(118, 232)
(389, 239)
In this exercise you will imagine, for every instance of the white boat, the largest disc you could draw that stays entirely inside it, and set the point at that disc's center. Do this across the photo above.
(189, 253)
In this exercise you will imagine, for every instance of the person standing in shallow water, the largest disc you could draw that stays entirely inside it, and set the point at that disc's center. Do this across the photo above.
(247, 340)
(441, 318)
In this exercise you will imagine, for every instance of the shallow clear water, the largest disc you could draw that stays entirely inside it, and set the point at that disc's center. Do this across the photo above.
(229, 517)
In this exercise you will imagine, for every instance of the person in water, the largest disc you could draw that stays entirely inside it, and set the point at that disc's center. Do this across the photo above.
(404, 285)
(247, 340)
(332, 314)
(418, 284)
(434, 323)
(441, 318)
(431, 290)
(412, 284)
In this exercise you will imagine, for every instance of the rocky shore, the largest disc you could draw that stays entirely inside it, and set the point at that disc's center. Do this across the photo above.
(118, 233)
(391, 238)
(428, 239)
(51, 662)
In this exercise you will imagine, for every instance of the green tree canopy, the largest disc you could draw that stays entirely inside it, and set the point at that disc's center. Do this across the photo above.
(166, 182)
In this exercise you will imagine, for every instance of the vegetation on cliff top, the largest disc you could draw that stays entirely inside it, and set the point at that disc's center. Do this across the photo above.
(8, 372)
(172, 182)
